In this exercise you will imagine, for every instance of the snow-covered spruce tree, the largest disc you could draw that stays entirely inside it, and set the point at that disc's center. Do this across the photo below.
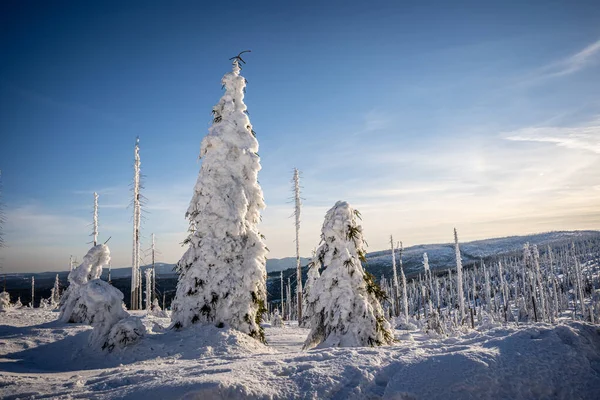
(347, 309)
(113, 326)
(72, 307)
(222, 276)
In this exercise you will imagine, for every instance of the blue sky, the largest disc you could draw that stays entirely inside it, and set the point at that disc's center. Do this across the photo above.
(422, 115)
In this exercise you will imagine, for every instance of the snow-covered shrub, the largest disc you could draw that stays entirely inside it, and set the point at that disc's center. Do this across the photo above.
(18, 303)
(44, 304)
(222, 275)
(435, 326)
(113, 326)
(402, 324)
(125, 332)
(72, 307)
(4, 301)
(55, 294)
(103, 307)
(345, 299)
(276, 321)
(157, 311)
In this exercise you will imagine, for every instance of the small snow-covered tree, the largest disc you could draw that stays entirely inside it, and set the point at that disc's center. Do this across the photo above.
(72, 308)
(18, 303)
(55, 293)
(113, 327)
(148, 273)
(4, 301)
(277, 321)
(222, 276)
(347, 309)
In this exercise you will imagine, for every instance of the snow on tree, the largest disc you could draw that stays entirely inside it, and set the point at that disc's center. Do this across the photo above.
(157, 311)
(459, 278)
(395, 287)
(148, 273)
(277, 321)
(346, 299)
(55, 293)
(540, 284)
(32, 304)
(297, 206)
(125, 332)
(311, 279)
(95, 220)
(2, 217)
(404, 288)
(4, 301)
(136, 278)
(44, 303)
(113, 327)
(73, 308)
(222, 275)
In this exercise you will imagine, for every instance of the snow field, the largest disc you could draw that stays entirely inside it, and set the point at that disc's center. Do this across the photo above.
(43, 357)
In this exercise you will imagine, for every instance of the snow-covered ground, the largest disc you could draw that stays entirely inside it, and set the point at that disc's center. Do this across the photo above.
(41, 357)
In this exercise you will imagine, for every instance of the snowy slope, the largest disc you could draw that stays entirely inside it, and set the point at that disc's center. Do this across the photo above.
(44, 358)
(441, 256)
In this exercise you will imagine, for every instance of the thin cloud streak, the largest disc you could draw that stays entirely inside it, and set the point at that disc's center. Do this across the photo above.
(571, 64)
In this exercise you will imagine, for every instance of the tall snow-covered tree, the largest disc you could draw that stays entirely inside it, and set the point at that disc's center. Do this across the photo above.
(404, 288)
(395, 287)
(459, 278)
(95, 221)
(297, 206)
(222, 276)
(1, 215)
(136, 278)
(32, 292)
(347, 309)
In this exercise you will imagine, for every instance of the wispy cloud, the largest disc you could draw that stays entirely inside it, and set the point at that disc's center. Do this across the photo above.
(573, 63)
(582, 138)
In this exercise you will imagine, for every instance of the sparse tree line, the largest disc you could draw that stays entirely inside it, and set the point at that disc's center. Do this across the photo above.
(534, 286)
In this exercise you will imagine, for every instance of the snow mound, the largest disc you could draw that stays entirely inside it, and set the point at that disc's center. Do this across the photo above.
(537, 362)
